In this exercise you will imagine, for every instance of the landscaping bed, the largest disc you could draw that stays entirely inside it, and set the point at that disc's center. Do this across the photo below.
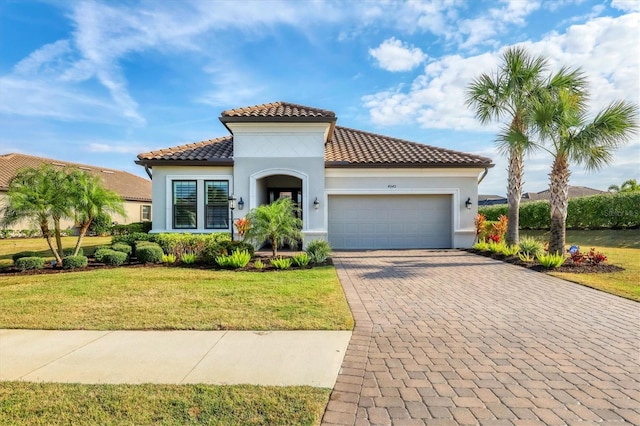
(568, 266)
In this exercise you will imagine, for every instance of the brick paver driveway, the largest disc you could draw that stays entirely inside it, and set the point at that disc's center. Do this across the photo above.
(447, 337)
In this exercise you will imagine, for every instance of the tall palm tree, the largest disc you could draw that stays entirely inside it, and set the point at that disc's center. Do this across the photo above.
(561, 120)
(90, 199)
(629, 185)
(276, 223)
(507, 94)
(38, 195)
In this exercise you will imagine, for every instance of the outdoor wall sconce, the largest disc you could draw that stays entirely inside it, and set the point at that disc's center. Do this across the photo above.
(316, 204)
(240, 204)
(468, 203)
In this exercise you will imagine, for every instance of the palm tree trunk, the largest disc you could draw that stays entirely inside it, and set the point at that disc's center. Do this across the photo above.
(56, 230)
(274, 246)
(83, 231)
(514, 193)
(46, 233)
(558, 203)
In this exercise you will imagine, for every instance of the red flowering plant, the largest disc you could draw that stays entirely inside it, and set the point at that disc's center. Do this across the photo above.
(499, 229)
(242, 225)
(592, 258)
(480, 222)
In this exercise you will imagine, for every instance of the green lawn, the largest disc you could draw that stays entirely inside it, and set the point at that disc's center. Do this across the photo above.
(170, 298)
(622, 238)
(625, 284)
(8, 247)
(51, 403)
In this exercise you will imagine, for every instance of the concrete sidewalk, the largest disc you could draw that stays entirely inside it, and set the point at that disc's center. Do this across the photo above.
(279, 358)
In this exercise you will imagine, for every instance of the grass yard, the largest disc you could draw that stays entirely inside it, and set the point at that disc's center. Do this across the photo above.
(51, 403)
(625, 283)
(622, 238)
(165, 298)
(8, 247)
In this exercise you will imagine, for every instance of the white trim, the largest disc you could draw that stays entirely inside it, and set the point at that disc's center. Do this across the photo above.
(454, 192)
(253, 185)
(200, 200)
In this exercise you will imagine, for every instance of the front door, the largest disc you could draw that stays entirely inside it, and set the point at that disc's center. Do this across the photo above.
(294, 194)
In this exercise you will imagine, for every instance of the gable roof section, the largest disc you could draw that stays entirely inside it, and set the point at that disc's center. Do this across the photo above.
(347, 148)
(129, 186)
(355, 148)
(277, 110)
(212, 152)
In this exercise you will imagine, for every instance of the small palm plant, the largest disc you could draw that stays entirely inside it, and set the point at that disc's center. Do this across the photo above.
(276, 223)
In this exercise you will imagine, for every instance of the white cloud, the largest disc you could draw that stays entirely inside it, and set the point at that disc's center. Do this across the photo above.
(605, 48)
(626, 5)
(394, 55)
(115, 147)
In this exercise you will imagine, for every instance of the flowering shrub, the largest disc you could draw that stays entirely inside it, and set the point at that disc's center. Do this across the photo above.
(479, 222)
(591, 258)
(499, 228)
(494, 238)
(242, 225)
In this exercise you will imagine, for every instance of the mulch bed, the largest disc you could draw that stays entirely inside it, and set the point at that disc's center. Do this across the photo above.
(93, 265)
(568, 265)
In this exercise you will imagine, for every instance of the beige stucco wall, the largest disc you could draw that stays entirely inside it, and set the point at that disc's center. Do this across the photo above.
(133, 210)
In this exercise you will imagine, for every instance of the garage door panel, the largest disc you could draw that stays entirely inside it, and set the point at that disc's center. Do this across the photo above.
(390, 221)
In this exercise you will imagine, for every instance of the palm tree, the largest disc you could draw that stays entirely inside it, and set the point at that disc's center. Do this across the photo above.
(91, 199)
(629, 185)
(507, 94)
(38, 195)
(560, 119)
(276, 223)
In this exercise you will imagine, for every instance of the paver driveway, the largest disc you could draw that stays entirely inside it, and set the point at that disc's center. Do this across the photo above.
(448, 337)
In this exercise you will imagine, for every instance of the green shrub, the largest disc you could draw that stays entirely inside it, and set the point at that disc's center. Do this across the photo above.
(178, 243)
(238, 259)
(22, 254)
(100, 252)
(149, 253)
(69, 252)
(481, 245)
(29, 262)
(113, 257)
(318, 251)
(122, 247)
(258, 264)
(281, 262)
(211, 251)
(530, 247)
(526, 257)
(188, 258)
(301, 259)
(618, 210)
(551, 261)
(496, 247)
(233, 246)
(74, 262)
(131, 239)
(169, 258)
(510, 250)
(131, 228)
(100, 225)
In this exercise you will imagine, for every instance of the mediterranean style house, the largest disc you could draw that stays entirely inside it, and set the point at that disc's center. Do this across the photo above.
(355, 189)
(134, 190)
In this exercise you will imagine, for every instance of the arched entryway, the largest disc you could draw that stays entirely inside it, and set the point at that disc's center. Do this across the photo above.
(269, 185)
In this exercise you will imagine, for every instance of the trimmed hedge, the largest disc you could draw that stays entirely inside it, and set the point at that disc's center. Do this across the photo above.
(28, 263)
(69, 252)
(616, 211)
(121, 247)
(73, 262)
(149, 253)
(113, 257)
(22, 254)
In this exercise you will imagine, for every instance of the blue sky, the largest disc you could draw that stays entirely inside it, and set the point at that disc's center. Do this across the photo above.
(98, 82)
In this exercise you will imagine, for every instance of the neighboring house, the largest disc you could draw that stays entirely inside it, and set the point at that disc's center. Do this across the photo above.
(491, 200)
(574, 192)
(358, 190)
(134, 190)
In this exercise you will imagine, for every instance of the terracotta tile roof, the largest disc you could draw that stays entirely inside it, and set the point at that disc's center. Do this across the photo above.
(355, 148)
(129, 186)
(573, 192)
(218, 150)
(278, 109)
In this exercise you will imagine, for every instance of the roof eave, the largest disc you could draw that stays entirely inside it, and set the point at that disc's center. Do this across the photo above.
(215, 162)
(260, 119)
(348, 165)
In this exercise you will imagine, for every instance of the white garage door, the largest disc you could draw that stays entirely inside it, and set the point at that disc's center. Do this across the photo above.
(390, 221)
